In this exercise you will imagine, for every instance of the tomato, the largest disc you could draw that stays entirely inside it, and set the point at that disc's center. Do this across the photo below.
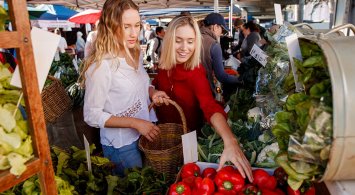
(229, 182)
(203, 186)
(263, 180)
(250, 189)
(190, 169)
(281, 177)
(290, 191)
(209, 172)
(311, 191)
(179, 189)
(268, 192)
(279, 191)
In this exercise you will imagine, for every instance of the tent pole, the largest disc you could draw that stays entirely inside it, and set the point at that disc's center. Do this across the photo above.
(215, 6)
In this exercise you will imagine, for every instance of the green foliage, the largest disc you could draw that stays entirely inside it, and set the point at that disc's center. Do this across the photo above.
(140, 181)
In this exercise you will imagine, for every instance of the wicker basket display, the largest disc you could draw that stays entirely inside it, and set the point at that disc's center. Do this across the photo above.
(55, 100)
(164, 154)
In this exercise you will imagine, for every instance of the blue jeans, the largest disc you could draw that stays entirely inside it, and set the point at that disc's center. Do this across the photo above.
(128, 156)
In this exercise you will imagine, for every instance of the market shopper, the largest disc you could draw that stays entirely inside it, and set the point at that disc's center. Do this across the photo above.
(154, 47)
(183, 78)
(252, 36)
(117, 86)
(80, 45)
(212, 59)
(90, 39)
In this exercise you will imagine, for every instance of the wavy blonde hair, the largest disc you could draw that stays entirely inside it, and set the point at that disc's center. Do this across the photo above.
(109, 39)
(168, 55)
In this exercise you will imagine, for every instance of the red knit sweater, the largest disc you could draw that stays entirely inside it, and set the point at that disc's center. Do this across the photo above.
(191, 90)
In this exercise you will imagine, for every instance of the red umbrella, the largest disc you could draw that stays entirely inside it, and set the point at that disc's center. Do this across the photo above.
(87, 16)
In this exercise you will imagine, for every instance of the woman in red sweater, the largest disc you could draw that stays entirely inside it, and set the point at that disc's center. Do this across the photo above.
(184, 80)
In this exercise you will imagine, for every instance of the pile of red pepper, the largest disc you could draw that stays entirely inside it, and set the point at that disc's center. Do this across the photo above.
(228, 181)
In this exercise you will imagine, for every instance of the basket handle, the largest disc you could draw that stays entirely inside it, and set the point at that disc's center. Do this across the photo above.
(341, 27)
(179, 109)
(52, 78)
(303, 24)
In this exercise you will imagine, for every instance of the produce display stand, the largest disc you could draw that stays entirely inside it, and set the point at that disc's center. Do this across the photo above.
(20, 39)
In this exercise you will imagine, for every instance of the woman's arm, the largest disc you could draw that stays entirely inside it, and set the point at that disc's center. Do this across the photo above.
(146, 128)
(215, 114)
(232, 151)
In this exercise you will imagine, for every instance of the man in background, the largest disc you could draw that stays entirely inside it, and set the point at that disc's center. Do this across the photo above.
(90, 39)
(154, 47)
(62, 45)
(148, 34)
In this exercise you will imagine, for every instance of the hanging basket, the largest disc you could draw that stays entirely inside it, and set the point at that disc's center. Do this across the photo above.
(55, 100)
(164, 154)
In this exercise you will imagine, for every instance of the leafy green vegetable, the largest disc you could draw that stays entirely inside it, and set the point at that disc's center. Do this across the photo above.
(7, 121)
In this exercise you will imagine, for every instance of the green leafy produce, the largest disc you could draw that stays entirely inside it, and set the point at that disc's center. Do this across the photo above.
(3, 18)
(304, 128)
(139, 181)
(64, 70)
(76, 94)
(240, 103)
(15, 143)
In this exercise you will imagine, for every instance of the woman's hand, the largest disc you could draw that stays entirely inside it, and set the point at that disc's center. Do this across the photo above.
(234, 154)
(160, 97)
(147, 129)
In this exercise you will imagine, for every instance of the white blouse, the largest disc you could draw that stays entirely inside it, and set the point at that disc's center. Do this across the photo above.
(115, 88)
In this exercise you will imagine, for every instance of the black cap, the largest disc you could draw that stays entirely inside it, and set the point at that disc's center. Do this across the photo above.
(216, 18)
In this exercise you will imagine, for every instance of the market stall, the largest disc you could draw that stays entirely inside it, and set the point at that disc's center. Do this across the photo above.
(294, 135)
(41, 163)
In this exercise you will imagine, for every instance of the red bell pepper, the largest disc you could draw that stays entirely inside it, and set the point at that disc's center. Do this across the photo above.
(263, 180)
(228, 168)
(179, 189)
(190, 181)
(229, 182)
(209, 172)
(203, 186)
(190, 169)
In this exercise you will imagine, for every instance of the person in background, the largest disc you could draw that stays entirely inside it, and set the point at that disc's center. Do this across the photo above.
(80, 45)
(153, 52)
(238, 26)
(117, 90)
(251, 34)
(148, 34)
(90, 39)
(183, 78)
(212, 59)
(62, 44)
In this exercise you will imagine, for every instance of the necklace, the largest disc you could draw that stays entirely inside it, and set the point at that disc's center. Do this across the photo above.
(170, 81)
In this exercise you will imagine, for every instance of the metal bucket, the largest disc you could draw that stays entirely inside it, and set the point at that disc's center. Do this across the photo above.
(339, 52)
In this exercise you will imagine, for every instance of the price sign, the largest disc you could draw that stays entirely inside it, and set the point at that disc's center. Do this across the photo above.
(259, 55)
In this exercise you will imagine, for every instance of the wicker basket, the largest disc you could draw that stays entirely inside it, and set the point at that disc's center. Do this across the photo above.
(55, 100)
(164, 154)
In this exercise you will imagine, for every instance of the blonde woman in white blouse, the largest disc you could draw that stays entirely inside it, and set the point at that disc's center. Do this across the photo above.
(117, 90)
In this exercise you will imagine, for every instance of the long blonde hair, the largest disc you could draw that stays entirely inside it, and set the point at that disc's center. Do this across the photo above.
(168, 55)
(109, 39)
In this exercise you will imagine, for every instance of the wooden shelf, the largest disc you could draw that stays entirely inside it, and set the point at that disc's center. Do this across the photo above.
(7, 179)
(20, 39)
(10, 40)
